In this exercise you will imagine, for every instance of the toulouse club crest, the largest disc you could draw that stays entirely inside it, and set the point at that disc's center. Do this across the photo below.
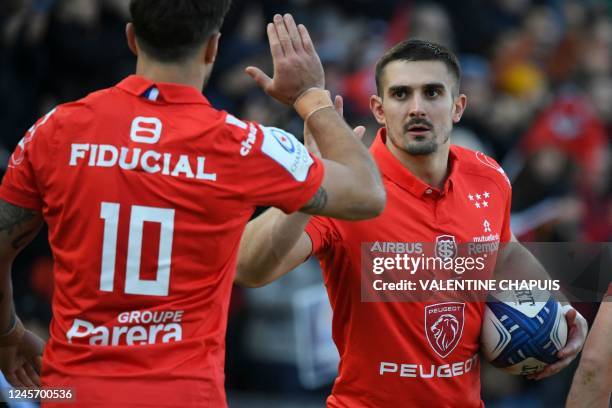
(444, 326)
(446, 246)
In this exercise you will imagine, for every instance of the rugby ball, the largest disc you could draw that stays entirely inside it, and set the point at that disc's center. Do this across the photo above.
(522, 331)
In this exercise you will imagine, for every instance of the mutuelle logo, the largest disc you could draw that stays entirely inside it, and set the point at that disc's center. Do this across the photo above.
(283, 140)
(444, 326)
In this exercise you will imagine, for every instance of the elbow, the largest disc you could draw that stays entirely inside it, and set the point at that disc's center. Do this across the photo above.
(249, 283)
(248, 280)
(370, 206)
(379, 202)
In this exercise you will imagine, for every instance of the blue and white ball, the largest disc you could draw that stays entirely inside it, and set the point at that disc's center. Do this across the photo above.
(520, 336)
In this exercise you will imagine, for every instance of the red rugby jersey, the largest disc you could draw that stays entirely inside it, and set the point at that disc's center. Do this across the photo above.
(146, 190)
(387, 358)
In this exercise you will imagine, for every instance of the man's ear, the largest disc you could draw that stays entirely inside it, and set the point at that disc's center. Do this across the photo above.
(376, 106)
(211, 47)
(459, 105)
(130, 34)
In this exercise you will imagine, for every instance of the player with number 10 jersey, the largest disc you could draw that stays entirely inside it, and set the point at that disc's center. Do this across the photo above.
(142, 288)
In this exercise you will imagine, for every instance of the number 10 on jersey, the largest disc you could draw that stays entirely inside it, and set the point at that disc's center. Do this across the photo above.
(109, 212)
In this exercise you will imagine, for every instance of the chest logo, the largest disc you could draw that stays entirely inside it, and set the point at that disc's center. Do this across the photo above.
(444, 326)
(446, 246)
(480, 200)
(486, 226)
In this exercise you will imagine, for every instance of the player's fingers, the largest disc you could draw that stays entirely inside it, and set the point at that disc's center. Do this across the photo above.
(294, 34)
(12, 379)
(259, 76)
(570, 317)
(306, 40)
(339, 105)
(38, 364)
(553, 369)
(359, 132)
(275, 46)
(572, 348)
(32, 374)
(283, 35)
(23, 378)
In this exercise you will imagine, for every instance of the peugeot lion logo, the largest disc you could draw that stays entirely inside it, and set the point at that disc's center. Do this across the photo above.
(444, 326)
(445, 330)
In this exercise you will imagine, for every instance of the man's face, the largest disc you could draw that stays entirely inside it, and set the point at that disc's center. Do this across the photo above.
(417, 106)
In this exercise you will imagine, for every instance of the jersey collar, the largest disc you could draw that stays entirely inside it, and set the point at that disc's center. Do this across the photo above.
(168, 92)
(391, 168)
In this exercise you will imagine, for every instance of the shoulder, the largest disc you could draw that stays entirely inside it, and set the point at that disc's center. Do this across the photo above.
(81, 109)
(274, 146)
(476, 164)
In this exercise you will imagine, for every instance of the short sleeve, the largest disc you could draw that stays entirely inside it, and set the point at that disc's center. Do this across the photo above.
(280, 172)
(322, 234)
(20, 185)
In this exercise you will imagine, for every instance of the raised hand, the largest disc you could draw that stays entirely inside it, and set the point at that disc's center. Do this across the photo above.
(297, 66)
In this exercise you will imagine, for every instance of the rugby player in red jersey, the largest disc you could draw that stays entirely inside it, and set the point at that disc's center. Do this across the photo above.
(404, 353)
(146, 190)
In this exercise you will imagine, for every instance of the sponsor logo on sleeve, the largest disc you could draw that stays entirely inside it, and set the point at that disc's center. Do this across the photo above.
(287, 151)
(247, 144)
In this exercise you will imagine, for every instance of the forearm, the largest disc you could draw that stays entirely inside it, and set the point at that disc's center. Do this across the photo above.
(591, 387)
(266, 242)
(7, 312)
(517, 263)
(592, 383)
(18, 226)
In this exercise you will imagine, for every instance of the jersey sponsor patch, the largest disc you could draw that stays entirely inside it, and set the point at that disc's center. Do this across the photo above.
(444, 326)
(287, 151)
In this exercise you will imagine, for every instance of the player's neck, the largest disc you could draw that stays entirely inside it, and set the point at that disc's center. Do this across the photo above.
(185, 74)
(431, 169)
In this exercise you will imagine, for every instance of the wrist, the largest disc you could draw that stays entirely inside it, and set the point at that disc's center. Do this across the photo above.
(312, 100)
(13, 335)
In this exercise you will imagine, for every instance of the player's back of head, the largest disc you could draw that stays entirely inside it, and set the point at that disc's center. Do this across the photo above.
(172, 31)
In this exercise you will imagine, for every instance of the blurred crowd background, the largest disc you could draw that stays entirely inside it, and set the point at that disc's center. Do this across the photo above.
(538, 75)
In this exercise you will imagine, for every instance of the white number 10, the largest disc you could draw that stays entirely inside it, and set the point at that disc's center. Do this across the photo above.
(109, 212)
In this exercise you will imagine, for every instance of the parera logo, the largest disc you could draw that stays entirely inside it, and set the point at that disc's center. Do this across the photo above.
(282, 138)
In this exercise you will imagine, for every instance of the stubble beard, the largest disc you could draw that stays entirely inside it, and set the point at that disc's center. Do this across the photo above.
(423, 147)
